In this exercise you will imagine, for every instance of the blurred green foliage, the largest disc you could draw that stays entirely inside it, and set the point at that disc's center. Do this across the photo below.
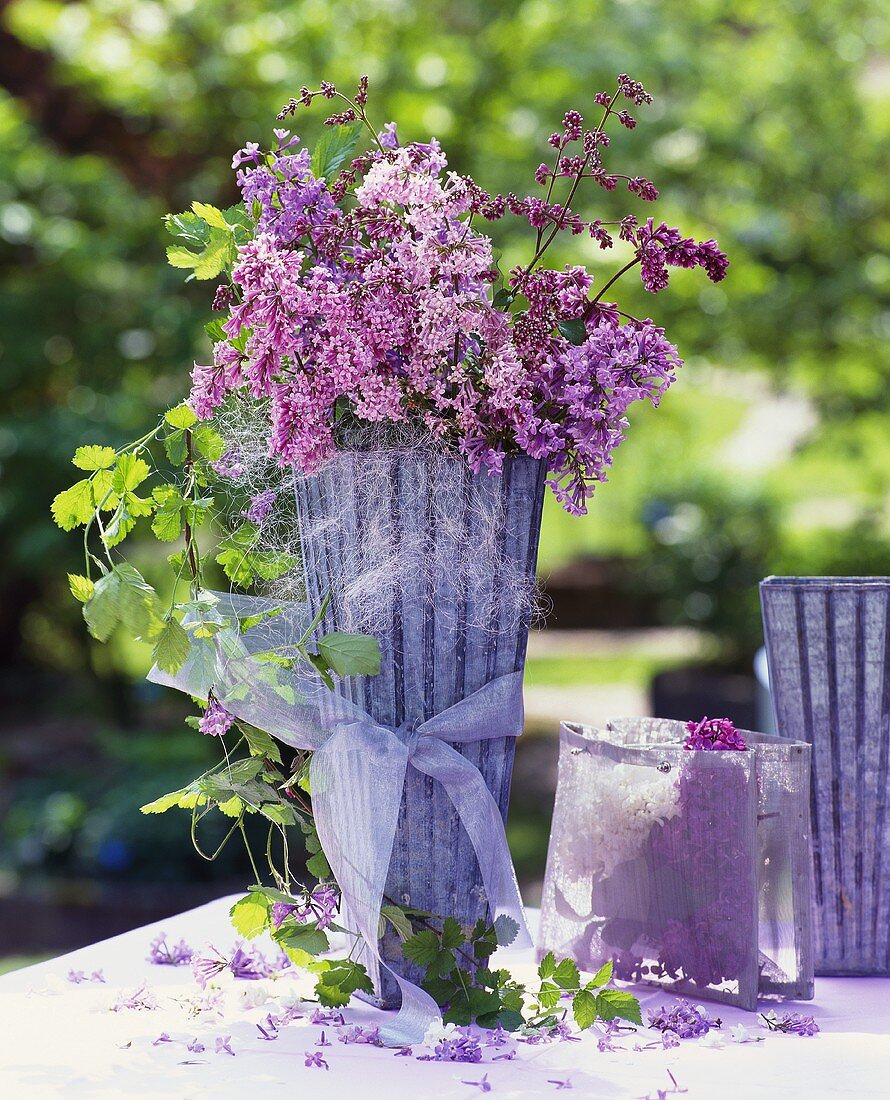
(766, 132)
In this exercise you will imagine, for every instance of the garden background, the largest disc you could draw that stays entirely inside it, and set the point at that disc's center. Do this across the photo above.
(771, 454)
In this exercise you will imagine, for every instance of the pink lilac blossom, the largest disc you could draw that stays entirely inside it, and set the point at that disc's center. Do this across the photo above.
(714, 733)
(386, 310)
(216, 720)
(319, 905)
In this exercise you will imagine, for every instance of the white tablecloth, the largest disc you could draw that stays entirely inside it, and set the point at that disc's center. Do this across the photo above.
(60, 1039)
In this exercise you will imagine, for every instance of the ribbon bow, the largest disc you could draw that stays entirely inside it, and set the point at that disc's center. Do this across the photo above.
(358, 769)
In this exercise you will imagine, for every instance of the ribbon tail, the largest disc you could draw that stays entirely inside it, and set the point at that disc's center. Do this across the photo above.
(357, 781)
(480, 816)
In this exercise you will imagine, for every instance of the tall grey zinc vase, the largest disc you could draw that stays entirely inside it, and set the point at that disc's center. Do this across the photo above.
(438, 563)
(828, 648)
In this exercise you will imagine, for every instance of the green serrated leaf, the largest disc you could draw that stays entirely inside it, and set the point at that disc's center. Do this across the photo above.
(94, 457)
(171, 648)
(566, 974)
(612, 1003)
(208, 443)
(584, 1008)
(502, 299)
(303, 937)
(180, 416)
(335, 146)
(259, 742)
(510, 1019)
(210, 214)
(547, 965)
(422, 948)
(506, 930)
(350, 654)
(250, 915)
(81, 587)
(602, 977)
(452, 934)
(75, 506)
(102, 611)
(166, 802)
(129, 472)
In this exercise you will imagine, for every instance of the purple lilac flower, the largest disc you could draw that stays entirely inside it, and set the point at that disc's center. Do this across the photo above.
(714, 733)
(605, 1043)
(249, 965)
(162, 1038)
(271, 1033)
(464, 1047)
(141, 999)
(229, 465)
(314, 1058)
(390, 313)
(684, 1019)
(326, 1016)
(160, 953)
(791, 1023)
(224, 1045)
(216, 721)
(195, 1047)
(565, 1083)
(369, 1035)
(260, 506)
(319, 905)
(76, 977)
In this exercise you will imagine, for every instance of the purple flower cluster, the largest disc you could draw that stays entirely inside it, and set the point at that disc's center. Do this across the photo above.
(462, 1047)
(714, 733)
(260, 506)
(320, 905)
(791, 1023)
(248, 964)
(385, 310)
(162, 953)
(683, 1019)
(217, 720)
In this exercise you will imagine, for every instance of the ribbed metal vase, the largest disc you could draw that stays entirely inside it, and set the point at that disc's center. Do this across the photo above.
(828, 647)
(445, 632)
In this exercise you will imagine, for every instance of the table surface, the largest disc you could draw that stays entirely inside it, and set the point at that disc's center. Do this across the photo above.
(60, 1038)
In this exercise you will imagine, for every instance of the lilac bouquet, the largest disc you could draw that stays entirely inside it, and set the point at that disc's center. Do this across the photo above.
(362, 289)
(371, 366)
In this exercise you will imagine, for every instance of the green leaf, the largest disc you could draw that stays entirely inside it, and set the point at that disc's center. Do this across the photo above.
(302, 937)
(510, 1019)
(398, 920)
(452, 934)
(175, 799)
(338, 981)
(250, 621)
(584, 1008)
(75, 506)
(188, 227)
(547, 965)
(422, 948)
(350, 654)
(171, 648)
(615, 1002)
(81, 587)
(167, 522)
(102, 610)
(129, 472)
(602, 977)
(217, 254)
(549, 994)
(335, 146)
(250, 915)
(259, 742)
(210, 214)
(566, 974)
(138, 603)
(176, 446)
(503, 298)
(209, 444)
(506, 930)
(574, 330)
(180, 416)
(94, 457)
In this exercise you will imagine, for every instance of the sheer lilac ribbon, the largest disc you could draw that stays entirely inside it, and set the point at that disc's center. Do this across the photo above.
(358, 768)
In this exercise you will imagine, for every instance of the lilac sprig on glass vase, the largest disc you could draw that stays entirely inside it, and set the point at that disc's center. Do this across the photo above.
(682, 862)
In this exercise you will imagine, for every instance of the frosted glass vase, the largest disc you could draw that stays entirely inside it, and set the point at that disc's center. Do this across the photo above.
(439, 564)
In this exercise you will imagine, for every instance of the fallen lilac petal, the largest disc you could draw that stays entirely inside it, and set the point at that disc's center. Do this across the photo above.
(195, 1047)
(484, 1085)
(223, 1045)
(314, 1058)
(97, 976)
(566, 1084)
(162, 1038)
(266, 1034)
(323, 1042)
(76, 976)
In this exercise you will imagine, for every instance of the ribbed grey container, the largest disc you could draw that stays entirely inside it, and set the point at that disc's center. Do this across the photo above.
(828, 647)
(447, 626)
